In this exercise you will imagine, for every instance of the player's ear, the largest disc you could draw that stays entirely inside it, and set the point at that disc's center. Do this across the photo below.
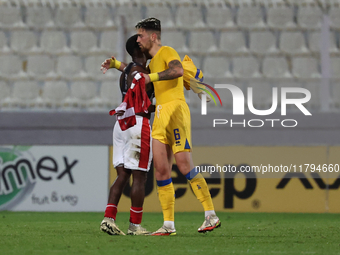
(154, 37)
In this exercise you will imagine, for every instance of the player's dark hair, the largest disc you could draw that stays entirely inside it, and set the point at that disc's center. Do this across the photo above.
(149, 24)
(132, 45)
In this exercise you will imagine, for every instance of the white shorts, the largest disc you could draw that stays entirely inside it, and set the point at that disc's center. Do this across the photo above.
(132, 147)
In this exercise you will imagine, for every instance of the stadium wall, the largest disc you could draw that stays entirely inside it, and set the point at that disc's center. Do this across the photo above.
(86, 138)
(77, 128)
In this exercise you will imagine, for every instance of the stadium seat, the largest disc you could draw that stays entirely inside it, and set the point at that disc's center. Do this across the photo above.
(82, 92)
(39, 17)
(174, 3)
(202, 42)
(225, 95)
(314, 42)
(109, 42)
(148, 3)
(334, 15)
(290, 82)
(54, 42)
(5, 92)
(25, 93)
(10, 17)
(262, 93)
(92, 67)
(70, 67)
(131, 14)
(250, 17)
(293, 43)
(216, 67)
(280, 17)
(24, 41)
(262, 42)
(83, 42)
(69, 18)
(189, 17)
(309, 17)
(54, 93)
(163, 13)
(3, 43)
(305, 67)
(98, 17)
(233, 42)
(283, 83)
(314, 88)
(335, 93)
(40, 66)
(219, 17)
(335, 67)
(7, 64)
(246, 67)
(275, 67)
(110, 93)
(175, 39)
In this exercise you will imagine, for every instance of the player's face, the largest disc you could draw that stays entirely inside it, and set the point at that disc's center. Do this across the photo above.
(144, 40)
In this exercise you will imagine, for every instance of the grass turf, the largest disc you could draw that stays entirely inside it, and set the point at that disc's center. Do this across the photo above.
(240, 233)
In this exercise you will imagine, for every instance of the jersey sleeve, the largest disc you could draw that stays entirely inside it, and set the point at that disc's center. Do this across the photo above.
(170, 54)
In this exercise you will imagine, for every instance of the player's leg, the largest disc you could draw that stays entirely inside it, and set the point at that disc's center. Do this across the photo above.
(198, 184)
(181, 146)
(108, 225)
(116, 190)
(138, 155)
(137, 195)
(201, 190)
(163, 158)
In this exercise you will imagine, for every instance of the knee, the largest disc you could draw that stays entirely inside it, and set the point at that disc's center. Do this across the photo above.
(139, 179)
(184, 167)
(162, 174)
(123, 176)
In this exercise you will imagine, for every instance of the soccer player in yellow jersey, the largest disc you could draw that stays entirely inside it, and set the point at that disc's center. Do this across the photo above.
(171, 130)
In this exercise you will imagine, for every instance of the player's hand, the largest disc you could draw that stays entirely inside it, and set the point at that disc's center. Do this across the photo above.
(106, 64)
(147, 78)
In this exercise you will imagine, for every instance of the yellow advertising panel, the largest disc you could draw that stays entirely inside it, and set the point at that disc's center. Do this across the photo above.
(254, 179)
(333, 189)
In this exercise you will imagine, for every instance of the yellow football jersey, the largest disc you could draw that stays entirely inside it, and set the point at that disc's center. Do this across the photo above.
(169, 90)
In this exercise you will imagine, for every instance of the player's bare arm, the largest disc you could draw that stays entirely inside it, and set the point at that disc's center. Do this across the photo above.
(133, 72)
(174, 71)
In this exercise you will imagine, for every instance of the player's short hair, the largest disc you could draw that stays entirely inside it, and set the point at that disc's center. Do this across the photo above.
(149, 24)
(132, 45)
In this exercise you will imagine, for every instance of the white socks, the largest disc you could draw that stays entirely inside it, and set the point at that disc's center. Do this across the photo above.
(169, 224)
(209, 213)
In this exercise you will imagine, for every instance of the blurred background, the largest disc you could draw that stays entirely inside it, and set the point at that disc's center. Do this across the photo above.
(53, 93)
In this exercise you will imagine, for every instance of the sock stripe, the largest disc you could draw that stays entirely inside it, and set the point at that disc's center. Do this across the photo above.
(192, 174)
(111, 206)
(136, 211)
(164, 182)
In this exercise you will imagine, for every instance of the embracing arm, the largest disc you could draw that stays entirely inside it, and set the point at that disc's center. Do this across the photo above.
(174, 71)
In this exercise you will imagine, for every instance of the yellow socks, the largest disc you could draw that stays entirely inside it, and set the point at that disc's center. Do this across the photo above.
(201, 190)
(166, 195)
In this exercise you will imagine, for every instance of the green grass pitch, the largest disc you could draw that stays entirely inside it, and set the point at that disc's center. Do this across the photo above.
(240, 233)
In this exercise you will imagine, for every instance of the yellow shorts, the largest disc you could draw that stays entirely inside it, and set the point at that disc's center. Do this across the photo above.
(172, 125)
